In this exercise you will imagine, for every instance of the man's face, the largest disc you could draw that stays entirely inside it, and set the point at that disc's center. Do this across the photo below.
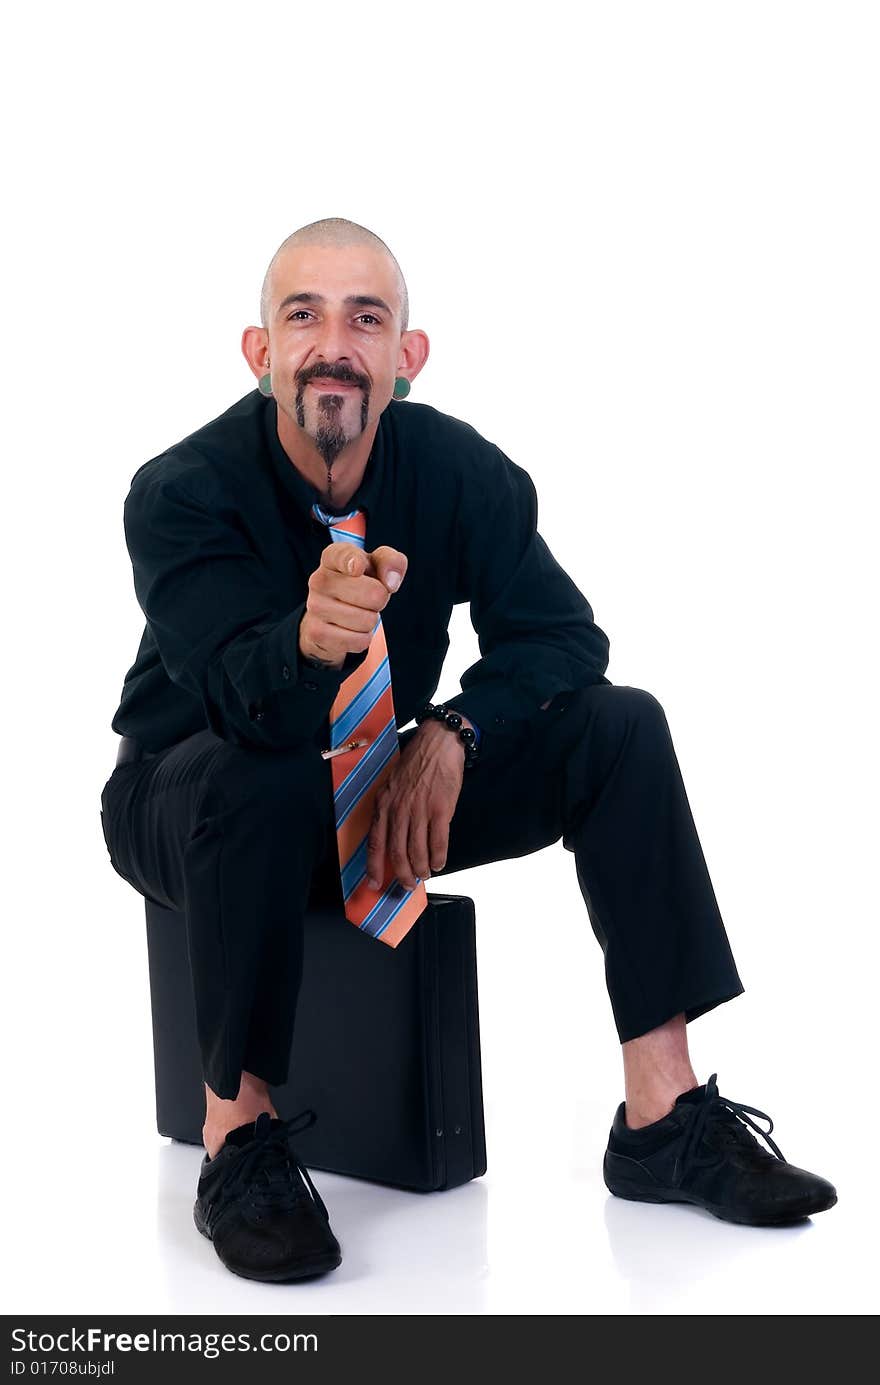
(334, 340)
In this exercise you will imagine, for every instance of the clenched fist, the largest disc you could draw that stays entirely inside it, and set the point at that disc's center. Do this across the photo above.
(345, 595)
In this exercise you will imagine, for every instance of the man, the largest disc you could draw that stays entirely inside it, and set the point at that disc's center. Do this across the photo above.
(318, 526)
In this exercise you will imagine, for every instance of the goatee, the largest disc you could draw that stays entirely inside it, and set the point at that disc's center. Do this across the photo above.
(330, 442)
(330, 436)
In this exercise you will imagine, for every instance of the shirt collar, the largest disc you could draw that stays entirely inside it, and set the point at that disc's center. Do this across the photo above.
(301, 491)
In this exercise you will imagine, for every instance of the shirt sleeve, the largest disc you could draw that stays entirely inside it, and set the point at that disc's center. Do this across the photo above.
(535, 628)
(219, 621)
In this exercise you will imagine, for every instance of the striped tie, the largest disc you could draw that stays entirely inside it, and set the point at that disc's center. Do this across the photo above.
(364, 709)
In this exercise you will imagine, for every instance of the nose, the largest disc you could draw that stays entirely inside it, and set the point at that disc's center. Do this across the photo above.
(332, 344)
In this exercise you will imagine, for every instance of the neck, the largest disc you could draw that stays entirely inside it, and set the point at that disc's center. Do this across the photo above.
(347, 471)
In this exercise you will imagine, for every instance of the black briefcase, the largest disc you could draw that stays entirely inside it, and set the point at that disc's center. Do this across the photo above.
(386, 1047)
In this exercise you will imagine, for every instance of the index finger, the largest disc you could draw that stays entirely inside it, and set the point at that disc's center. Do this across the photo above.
(376, 847)
(344, 557)
(356, 588)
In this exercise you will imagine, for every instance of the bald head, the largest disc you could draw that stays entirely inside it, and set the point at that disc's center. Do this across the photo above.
(332, 231)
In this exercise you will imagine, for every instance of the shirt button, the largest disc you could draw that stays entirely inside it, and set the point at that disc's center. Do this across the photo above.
(285, 672)
(312, 687)
(499, 721)
(258, 716)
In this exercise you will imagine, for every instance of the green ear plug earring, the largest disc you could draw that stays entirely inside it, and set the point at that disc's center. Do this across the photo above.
(265, 383)
(401, 387)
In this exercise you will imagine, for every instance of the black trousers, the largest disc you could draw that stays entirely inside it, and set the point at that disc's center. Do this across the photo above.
(241, 840)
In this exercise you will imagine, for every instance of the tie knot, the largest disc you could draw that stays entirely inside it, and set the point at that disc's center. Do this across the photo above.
(351, 526)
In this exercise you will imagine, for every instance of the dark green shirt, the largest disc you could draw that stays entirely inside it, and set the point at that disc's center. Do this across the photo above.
(222, 542)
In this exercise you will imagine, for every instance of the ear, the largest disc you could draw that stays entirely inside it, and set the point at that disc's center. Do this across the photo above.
(255, 349)
(414, 349)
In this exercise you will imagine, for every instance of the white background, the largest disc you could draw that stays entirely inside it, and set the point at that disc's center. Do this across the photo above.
(642, 238)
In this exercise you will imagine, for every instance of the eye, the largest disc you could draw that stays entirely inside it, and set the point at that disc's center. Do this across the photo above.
(373, 318)
(299, 312)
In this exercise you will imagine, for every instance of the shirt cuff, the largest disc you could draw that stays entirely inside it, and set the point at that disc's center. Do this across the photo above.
(501, 713)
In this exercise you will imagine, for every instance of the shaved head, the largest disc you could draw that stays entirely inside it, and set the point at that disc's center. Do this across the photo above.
(332, 231)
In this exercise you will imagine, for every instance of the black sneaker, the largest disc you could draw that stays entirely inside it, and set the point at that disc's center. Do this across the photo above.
(703, 1153)
(254, 1205)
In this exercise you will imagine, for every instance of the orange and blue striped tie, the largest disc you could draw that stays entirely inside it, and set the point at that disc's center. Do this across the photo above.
(364, 709)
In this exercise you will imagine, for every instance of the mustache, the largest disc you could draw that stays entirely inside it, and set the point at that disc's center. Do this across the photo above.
(337, 371)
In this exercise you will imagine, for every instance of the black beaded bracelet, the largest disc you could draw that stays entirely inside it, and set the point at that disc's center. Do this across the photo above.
(453, 720)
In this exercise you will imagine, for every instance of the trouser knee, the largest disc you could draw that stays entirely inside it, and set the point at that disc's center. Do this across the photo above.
(614, 712)
(619, 706)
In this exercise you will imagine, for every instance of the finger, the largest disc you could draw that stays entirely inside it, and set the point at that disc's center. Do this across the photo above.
(389, 565)
(364, 591)
(359, 589)
(345, 557)
(418, 844)
(398, 852)
(376, 846)
(328, 639)
(438, 842)
(333, 612)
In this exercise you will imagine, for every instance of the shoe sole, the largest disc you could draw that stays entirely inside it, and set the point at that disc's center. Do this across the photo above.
(306, 1269)
(634, 1193)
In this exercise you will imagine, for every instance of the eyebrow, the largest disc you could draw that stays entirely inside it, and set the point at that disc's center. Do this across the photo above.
(354, 300)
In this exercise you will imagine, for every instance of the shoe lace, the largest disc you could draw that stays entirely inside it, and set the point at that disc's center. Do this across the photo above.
(728, 1121)
(268, 1172)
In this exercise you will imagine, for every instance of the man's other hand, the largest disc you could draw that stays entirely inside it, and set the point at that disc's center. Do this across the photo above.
(414, 807)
